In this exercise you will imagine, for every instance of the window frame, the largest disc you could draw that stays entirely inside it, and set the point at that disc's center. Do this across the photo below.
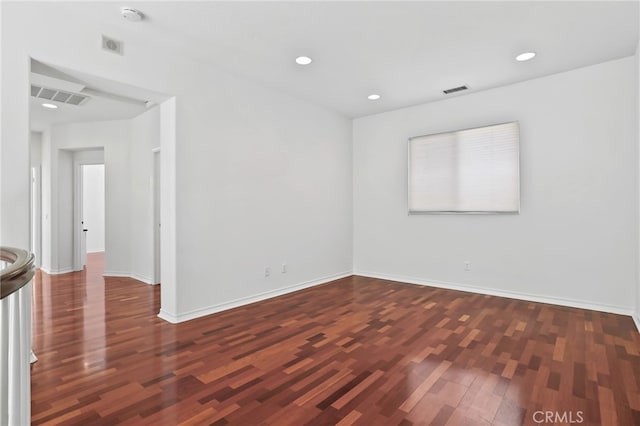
(458, 212)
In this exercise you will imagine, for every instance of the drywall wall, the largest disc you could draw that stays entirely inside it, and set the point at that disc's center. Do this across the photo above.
(124, 147)
(265, 181)
(63, 232)
(570, 244)
(83, 143)
(251, 177)
(14, 145)
(35, 146)
(47, 253)
(637, 69)
(93, 206)
(145, 136)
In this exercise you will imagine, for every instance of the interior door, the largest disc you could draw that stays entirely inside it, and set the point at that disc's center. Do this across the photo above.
(83, 229)
(83, 245)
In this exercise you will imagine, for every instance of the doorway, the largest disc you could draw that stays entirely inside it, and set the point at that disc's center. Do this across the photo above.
(88, 205)
(93, 125)
(93, 207)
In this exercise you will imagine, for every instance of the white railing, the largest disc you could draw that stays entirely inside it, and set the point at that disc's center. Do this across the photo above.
(17, 270)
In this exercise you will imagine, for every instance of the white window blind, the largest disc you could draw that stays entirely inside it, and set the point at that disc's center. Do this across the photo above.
(466, 171)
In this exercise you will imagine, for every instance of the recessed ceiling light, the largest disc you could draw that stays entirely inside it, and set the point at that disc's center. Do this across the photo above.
(525, 56)
(52, 106)
(373, 97)
(303, 60)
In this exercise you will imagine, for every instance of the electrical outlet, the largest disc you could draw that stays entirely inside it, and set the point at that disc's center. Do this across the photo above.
(267, 271)
(467, 265)
(284, 268)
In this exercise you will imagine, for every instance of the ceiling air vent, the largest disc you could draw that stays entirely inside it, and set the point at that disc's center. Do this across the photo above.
(455, 89)
(112, 45)
(58, 95)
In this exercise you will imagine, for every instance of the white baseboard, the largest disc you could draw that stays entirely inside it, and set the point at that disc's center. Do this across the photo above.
(56, 271)
(197, 313)
(621, 310)
(120, 274)
(142, 278)
(173, 319)
(636, 320)
(116, 274)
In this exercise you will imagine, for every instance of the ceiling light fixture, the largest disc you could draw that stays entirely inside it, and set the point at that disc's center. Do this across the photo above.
(525, 56)
(373, 97)
(303, 60)
(52, 106)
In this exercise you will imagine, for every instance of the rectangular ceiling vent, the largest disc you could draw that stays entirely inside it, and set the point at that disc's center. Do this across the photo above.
(112, 45)
(58, 95)
(455, 89)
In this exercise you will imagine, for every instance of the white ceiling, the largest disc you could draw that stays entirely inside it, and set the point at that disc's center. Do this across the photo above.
(108, 100)
(408, 52)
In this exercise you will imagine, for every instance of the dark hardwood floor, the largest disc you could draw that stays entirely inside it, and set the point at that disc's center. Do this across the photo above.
(355, 351)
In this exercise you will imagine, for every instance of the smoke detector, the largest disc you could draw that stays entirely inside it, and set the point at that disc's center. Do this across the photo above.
(131, 14)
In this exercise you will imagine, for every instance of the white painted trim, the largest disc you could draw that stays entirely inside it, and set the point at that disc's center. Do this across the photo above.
(119, 274)
(501, 293)
(56, 271)
(116, 274)
(173, 319)
(636, 320)
(142, 278)
(197, 313)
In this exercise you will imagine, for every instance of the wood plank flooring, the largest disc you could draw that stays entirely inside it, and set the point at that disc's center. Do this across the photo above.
(355, 351)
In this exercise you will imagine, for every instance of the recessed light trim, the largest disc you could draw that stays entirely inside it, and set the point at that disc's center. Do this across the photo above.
(50, 106)
(526, 56)
(373, 97)
(303, 60)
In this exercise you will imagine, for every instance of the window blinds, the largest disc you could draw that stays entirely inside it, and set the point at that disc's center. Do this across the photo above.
(466, 171)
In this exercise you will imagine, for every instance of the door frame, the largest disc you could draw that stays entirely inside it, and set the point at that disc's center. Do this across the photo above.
(78, 199)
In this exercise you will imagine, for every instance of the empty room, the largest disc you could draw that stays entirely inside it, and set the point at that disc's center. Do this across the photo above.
(320, 213)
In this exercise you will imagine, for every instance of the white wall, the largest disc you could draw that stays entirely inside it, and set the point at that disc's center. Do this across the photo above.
(266, 180)
(63, 144)
(63, 232)
(145, 136)
(637, 61)
(35, 155)
(124, 147)
(572, 242)
(35, 142)
(46, 227)
(93, 206)
(14, 144)
(258, 178)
